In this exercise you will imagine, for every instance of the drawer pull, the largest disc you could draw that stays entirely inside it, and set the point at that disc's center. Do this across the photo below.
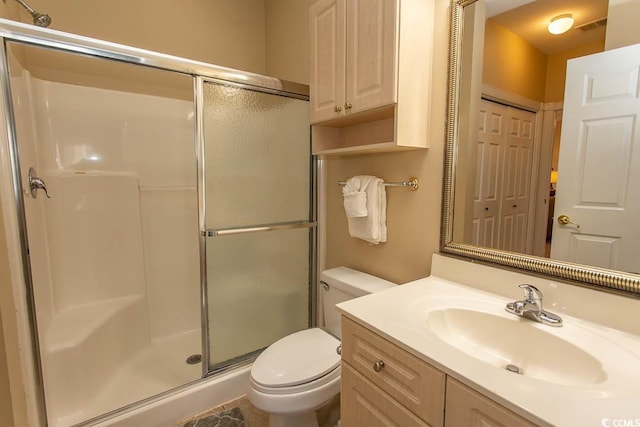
(377, 366)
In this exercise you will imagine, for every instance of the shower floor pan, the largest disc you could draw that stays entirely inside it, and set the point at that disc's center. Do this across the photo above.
(87, 378)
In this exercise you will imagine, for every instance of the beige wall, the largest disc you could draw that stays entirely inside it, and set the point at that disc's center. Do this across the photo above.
(622, 23)
(6, 411)
(12, 403)
(413, 218)
(10, 10)
(512, 64)
(222, 32)
(557, 69)
(287, 39)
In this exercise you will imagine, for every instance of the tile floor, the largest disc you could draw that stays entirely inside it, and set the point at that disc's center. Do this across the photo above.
(327, 415)
(253, 416)
(228, 418)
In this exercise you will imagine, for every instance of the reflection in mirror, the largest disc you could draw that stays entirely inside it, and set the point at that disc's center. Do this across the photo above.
(541, 154)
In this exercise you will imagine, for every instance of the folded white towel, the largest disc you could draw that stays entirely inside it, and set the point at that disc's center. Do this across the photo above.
(373, 227)
(355, 200)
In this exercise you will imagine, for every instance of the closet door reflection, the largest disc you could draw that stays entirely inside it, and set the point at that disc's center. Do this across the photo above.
(258, 184)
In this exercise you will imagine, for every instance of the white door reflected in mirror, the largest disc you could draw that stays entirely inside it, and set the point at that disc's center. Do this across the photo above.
(599, 163)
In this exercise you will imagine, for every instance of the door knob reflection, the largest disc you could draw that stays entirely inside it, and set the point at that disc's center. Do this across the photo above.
(565, 220)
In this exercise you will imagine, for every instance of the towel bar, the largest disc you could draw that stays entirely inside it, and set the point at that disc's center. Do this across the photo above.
(412, 183)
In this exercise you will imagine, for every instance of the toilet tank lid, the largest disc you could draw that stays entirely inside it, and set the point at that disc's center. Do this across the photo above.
(353, 281)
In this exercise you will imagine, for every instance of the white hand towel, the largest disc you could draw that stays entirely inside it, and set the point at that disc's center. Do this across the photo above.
(373, 227)
(355, 200)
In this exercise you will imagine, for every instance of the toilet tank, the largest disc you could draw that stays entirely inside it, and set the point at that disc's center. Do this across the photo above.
(342, 284)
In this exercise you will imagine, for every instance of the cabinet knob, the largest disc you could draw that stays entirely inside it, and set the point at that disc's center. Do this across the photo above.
(347, 106)
(377, 366)
(337, 108)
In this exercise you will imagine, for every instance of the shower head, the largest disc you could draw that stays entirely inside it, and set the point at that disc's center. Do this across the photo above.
(39, 19)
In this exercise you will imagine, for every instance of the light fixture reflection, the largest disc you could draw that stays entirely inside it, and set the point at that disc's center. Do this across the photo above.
(561, 24)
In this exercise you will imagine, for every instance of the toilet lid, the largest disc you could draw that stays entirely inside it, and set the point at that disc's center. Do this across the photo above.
(296, 359)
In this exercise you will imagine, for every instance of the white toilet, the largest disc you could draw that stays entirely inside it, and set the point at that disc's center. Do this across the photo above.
(301, 372)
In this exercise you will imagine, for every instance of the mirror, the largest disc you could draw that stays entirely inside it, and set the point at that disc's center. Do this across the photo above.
(526, 174)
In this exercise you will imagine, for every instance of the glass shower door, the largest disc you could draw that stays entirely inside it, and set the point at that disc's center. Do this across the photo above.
(258, 217)
(113, 244)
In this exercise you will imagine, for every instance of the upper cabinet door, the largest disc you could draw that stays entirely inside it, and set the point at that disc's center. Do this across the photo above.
(327, 84)
(371, 54)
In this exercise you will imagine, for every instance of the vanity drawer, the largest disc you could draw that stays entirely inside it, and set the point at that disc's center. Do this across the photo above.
(466, 407)
(412, 382)
(364, 404)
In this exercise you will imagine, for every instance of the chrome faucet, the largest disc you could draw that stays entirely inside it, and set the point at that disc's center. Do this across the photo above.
(531, 307)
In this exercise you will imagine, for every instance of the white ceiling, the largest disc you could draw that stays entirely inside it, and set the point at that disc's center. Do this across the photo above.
(529, 19)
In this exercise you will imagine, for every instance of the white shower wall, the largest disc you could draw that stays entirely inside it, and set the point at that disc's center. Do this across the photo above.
(135, 156)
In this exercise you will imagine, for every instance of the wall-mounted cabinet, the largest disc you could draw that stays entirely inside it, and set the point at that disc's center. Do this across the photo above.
(370, 75)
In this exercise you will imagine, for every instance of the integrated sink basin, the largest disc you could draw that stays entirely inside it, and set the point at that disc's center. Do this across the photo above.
(482, 335)
(517, 345)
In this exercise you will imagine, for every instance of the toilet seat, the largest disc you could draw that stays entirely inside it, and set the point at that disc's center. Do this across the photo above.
(295, 362)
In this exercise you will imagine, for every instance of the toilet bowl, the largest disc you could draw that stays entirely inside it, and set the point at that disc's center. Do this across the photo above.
(301, 372)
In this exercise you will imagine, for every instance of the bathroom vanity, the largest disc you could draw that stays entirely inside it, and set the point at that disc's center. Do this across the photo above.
(442, 351)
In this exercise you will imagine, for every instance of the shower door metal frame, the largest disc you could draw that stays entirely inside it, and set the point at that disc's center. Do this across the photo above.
(205, 233)
(200, 72)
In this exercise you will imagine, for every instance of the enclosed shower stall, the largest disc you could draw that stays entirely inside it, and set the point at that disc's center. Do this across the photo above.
(164, 212)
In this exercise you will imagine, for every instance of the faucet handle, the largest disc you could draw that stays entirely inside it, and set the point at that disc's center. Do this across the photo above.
(531, 294)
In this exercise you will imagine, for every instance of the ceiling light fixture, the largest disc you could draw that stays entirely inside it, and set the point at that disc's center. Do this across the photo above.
(561, 24)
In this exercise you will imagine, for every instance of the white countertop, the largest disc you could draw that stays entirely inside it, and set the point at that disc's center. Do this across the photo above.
(400, 315)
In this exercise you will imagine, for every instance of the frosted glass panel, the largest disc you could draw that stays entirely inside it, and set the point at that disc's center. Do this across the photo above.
(257, 172)
(257, 155)
(258, 290)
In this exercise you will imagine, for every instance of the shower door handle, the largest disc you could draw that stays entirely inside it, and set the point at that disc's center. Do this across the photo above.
(36, 183)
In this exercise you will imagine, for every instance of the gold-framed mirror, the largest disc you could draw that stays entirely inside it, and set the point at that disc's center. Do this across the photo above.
(516, 139)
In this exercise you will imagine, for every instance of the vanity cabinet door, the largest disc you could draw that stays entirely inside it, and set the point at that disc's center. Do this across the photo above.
(364, 404)
(414, 383)
(466, 407)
